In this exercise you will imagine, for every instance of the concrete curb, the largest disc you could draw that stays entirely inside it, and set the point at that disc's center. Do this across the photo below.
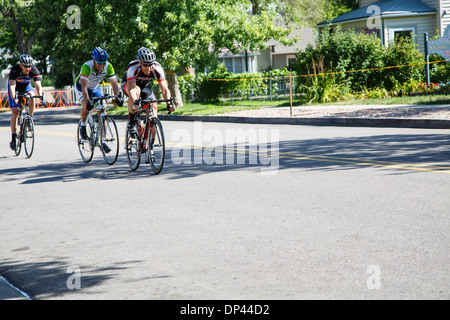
(347, 122)
(9, 292)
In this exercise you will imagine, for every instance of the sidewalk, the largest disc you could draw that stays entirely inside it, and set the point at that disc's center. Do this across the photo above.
(397, 116)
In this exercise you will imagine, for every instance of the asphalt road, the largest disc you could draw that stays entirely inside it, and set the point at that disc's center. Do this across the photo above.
(329, 213)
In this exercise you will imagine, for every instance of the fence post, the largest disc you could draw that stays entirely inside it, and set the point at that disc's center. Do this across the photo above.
(290, 91)
(270, 86)
(427, 61)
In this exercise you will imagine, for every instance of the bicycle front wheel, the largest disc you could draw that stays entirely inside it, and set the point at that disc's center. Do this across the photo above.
(18, 138)
(133, 149)
(28, 136)
(86, 147)
(109, 140)
(156, 146)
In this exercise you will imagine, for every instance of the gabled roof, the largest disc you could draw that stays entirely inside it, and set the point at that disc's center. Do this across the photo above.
(387, 8)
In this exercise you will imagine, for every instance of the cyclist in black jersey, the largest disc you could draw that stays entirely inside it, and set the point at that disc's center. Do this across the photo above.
(19, 80)
(137, 82)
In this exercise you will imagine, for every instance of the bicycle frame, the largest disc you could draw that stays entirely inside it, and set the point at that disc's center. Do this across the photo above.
(22, 119)
(99, 127)
(150, 137)
(141, 105)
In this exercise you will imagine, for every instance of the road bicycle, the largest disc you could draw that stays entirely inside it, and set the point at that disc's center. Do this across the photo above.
(101, 132)
(25, 135)
(150, 141)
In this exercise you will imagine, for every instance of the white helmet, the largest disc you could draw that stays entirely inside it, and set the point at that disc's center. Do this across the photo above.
(146, 55)
(26, 59)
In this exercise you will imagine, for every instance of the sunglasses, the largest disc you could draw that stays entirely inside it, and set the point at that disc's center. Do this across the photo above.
(25, 66)
(147, 64)
(100, 62)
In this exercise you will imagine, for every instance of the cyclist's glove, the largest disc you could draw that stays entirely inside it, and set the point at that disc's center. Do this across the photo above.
(119, 101)
(171, 105)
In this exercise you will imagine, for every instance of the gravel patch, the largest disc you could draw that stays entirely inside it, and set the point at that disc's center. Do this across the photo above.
(431, 112)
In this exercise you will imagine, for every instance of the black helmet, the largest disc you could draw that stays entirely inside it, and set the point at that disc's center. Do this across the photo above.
(146, 55)
(26, 59)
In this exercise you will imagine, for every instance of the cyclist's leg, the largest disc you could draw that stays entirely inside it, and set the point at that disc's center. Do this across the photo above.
(14, 115)
(30, 91)
(96, 93)
(84, 112)
(136, 92)
(146, 94)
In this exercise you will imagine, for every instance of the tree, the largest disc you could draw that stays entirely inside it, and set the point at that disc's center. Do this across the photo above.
(192, 32)
(183, 33)
(16, 30)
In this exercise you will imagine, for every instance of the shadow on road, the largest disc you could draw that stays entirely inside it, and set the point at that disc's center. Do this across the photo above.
(387, 152)
(56, 277)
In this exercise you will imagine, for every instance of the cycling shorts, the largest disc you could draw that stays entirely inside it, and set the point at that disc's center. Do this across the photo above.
(12, 103)
(146, 93)
(97, 92)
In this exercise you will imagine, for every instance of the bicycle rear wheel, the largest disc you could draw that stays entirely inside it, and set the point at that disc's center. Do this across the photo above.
(28, 136)
(157, 149)
(109, 140)
(133, 148)
(86, 147)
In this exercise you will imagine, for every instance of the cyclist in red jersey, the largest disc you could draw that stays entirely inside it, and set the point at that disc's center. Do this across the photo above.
(137, 82)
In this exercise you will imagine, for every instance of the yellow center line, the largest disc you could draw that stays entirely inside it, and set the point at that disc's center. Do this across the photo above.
(320, 158)
(299, 156)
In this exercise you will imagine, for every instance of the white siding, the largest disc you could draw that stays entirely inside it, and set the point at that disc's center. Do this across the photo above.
(445, 20)
(363, 3)
(420, 24)
(435, 4)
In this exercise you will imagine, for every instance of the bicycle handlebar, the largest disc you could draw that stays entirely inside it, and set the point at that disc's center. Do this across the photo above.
(138, 103)
(97, 99)
(24, 95)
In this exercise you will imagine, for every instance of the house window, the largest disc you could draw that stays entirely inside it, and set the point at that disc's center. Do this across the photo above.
(290, 61)
(229, 64)
(407, 33)
(238, 65)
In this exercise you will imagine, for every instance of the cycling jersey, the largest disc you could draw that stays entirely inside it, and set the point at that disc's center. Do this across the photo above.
(88, 73)
(134, 71)
(23, 81)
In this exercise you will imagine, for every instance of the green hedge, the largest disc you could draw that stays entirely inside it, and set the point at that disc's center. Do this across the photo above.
(220, 83)
(342, 53)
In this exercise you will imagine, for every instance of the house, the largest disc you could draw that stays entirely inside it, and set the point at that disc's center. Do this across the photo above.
(4, 75)
(390, 19)
(275, 56)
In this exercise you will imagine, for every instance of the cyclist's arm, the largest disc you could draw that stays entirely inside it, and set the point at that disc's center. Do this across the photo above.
(12, 89)
(165, 90)
(38, 85)
(115, 85)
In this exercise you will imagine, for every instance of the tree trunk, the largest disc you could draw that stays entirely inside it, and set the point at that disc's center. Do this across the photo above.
(174, 88)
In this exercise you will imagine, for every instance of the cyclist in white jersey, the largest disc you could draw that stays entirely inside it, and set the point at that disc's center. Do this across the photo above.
(87, 83)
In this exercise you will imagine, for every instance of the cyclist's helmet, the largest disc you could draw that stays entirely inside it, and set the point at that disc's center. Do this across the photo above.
(99, 54)
(26, 59)
(146, 55)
